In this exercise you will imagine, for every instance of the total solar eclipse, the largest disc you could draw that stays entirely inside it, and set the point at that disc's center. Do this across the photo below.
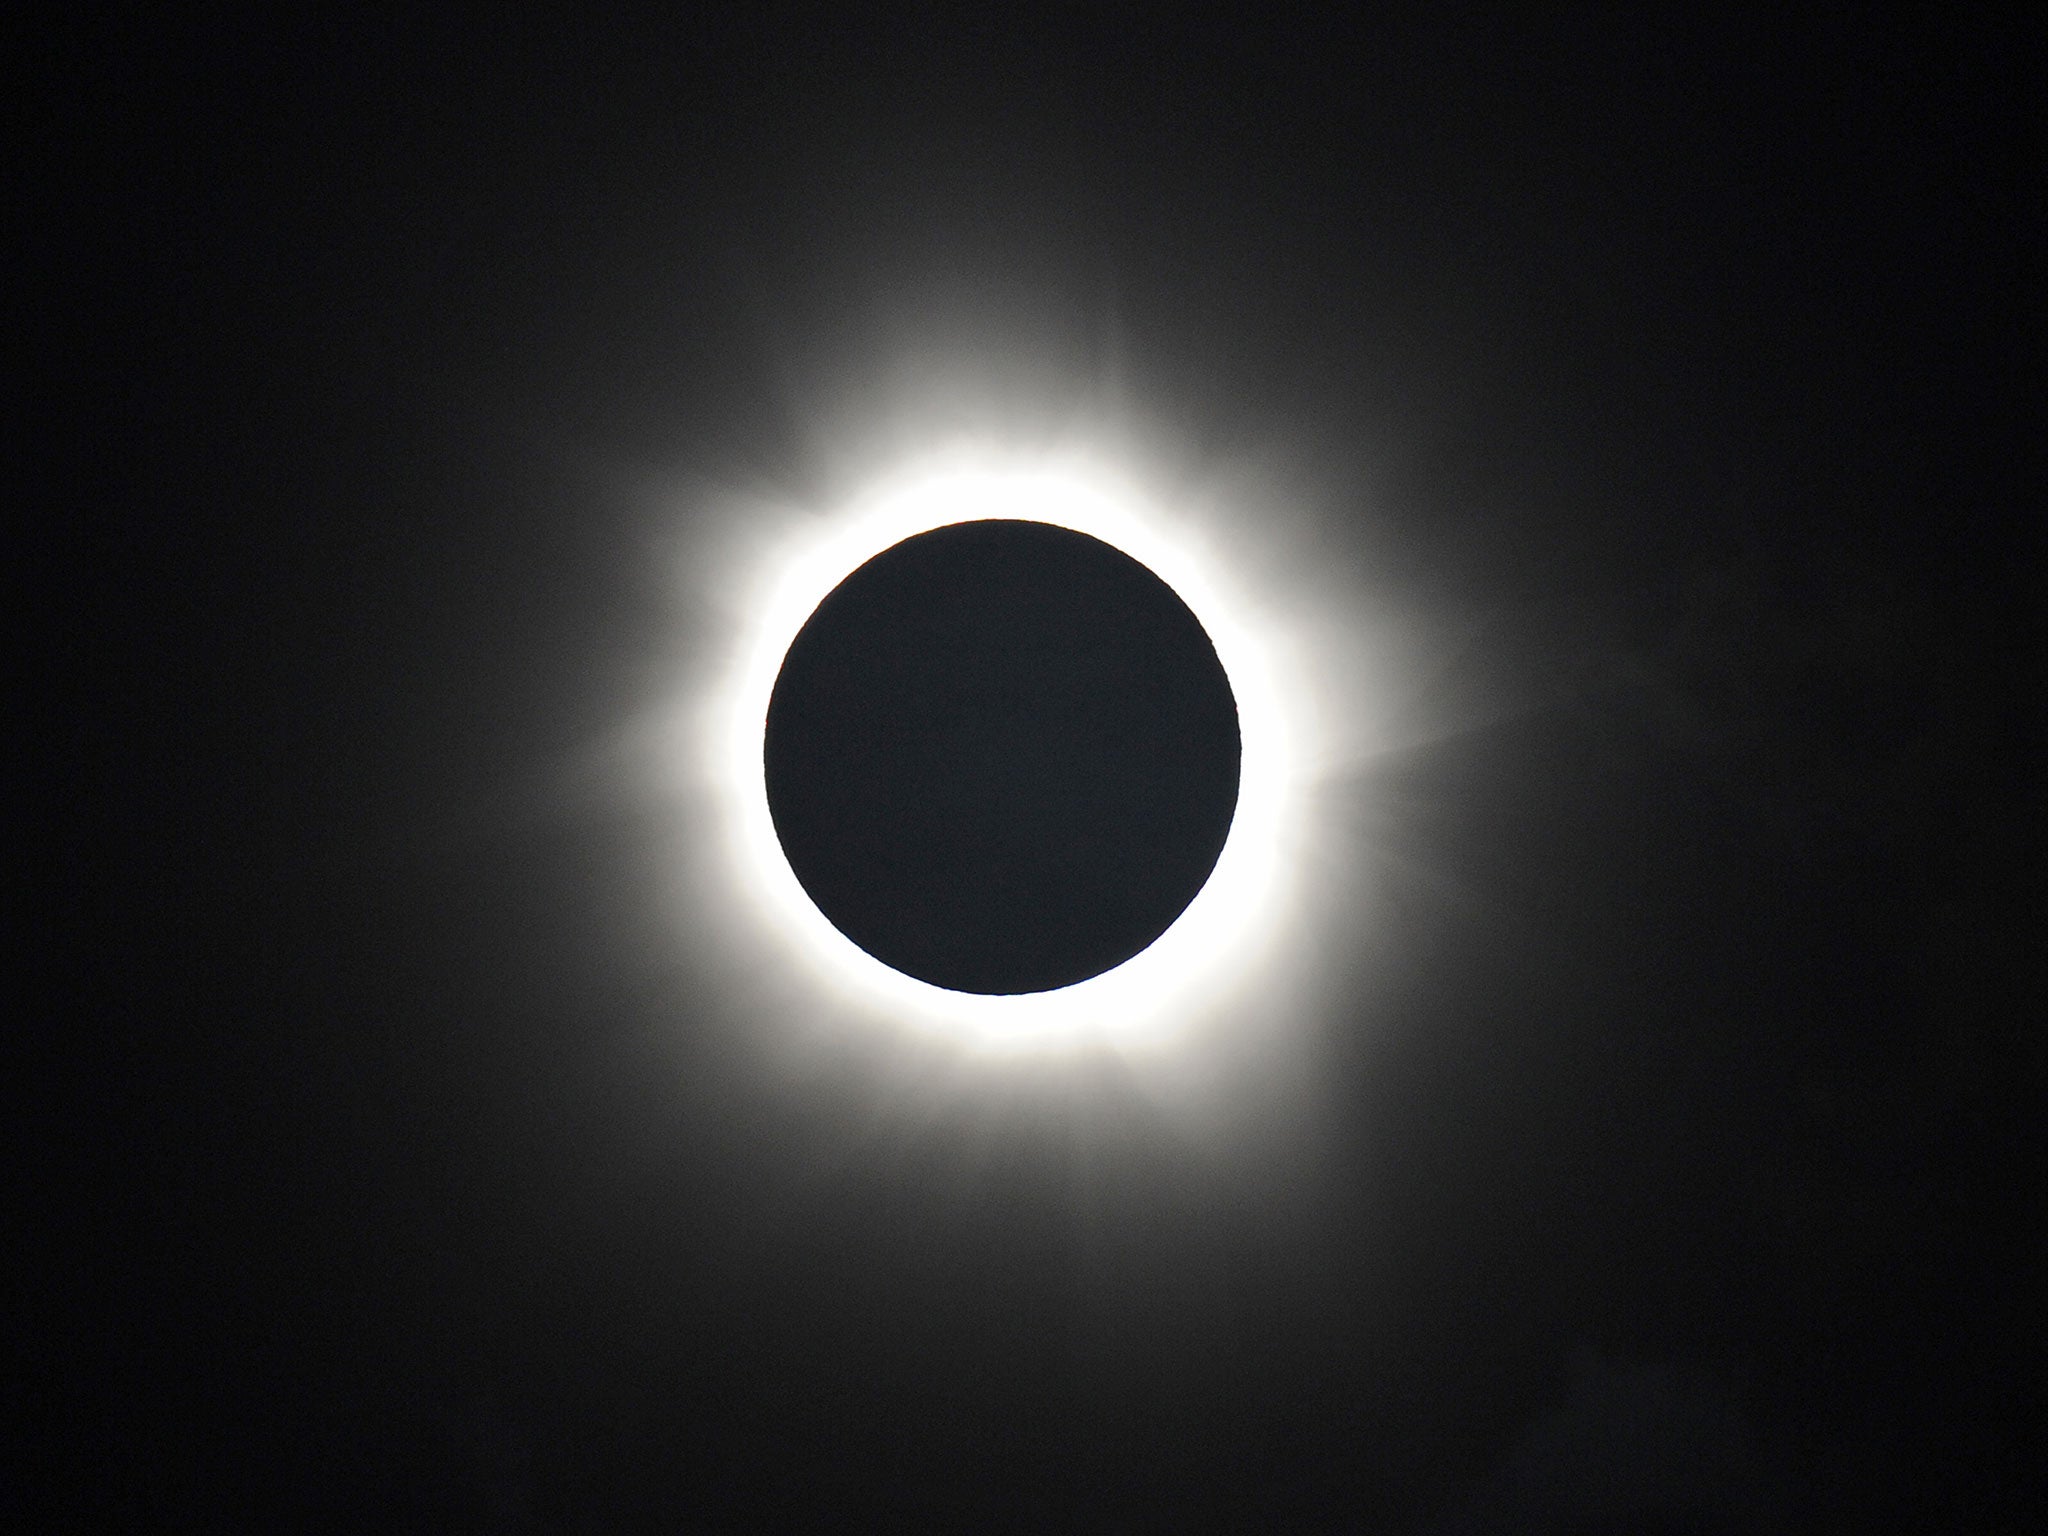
(1002, 756)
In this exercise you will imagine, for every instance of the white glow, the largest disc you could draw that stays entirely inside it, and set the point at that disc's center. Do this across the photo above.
(1227, 940)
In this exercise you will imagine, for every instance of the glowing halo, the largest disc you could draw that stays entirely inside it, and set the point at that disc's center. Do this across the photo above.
(1206, 959)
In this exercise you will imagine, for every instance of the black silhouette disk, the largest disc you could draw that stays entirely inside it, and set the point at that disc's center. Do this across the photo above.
(1002, 757)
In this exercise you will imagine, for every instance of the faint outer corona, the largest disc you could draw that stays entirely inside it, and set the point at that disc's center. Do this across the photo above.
(1002, 757)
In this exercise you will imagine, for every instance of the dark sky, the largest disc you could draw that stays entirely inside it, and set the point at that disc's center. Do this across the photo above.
(1677, 1162)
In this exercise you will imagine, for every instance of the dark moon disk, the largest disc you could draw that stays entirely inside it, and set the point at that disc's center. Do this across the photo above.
(1002, 757)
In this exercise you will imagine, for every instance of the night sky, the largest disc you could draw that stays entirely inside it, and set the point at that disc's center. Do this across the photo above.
(1661, 1149)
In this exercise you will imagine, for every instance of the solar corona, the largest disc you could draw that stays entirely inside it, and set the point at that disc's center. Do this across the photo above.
(1005, 757)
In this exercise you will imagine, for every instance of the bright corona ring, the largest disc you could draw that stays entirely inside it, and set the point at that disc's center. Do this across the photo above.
(1218, 947)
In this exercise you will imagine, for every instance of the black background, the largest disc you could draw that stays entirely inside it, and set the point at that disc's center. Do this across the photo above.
(370, 1174)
